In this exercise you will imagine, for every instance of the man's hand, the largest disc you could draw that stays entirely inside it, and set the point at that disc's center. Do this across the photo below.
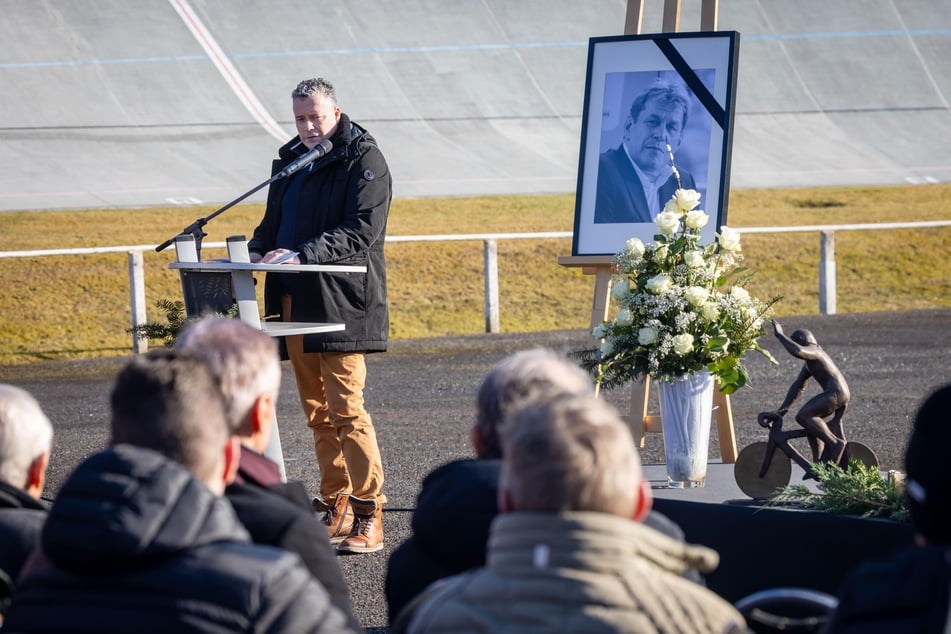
(280, 256)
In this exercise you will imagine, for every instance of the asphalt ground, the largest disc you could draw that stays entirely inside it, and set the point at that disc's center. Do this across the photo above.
(421, 396)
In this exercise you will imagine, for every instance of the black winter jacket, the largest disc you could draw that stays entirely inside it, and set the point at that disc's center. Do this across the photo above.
(21, 518)
(905, 593)
(343, 206)
(134, 543)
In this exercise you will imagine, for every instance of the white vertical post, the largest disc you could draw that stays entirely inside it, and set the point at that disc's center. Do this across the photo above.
(490, 253)
(243, 282)
(137, 287)
(827, 290)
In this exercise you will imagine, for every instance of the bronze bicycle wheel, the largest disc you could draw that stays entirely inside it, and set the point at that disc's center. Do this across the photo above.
(747, 468)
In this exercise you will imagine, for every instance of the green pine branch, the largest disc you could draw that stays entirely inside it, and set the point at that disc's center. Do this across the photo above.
(858, 490)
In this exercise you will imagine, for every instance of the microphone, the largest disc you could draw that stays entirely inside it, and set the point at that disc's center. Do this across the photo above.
(318, 151)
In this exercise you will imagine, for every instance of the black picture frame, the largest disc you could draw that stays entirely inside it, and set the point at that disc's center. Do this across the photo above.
(704, 64)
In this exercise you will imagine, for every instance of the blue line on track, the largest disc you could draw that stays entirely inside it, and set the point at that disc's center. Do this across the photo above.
(450, 49)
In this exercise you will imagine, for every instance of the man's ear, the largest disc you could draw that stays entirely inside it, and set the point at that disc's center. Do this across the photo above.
(645, 500)
(504, 501)
(36, 475)
(476, 440)
(232, 452)
(262, 417)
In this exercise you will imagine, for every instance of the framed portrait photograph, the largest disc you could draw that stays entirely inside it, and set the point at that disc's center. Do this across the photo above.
(658, 116)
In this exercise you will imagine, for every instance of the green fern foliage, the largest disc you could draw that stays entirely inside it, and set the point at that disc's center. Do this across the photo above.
(175, 320)
(857, 490)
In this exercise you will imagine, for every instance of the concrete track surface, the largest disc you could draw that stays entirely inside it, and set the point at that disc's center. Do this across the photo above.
(118, 103)
(421, 395)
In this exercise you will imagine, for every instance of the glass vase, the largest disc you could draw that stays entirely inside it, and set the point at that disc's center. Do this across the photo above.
(686, 408)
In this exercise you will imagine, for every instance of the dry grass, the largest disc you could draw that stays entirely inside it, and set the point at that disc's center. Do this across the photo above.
(78, 306)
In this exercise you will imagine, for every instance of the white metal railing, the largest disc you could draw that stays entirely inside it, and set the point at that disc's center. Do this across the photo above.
(827, 273)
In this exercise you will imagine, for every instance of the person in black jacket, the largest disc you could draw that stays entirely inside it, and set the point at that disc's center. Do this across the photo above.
(140, 538)
(275, 513)
(333, 211)
(909, 592)
(26, 437)
(459, 500)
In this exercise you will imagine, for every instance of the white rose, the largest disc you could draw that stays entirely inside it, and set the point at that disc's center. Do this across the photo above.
(683, 343)
(729, 239)
(620, 287)
(687, 199)
(624, 317)
(659, 283)
(647, 335)
(607, 348)
(696, 295)
(694, 259)
(696, 219)
(635, 247)
(740, 293)
(668, 222)
(660, 254)
(600, 331)
(710, 311)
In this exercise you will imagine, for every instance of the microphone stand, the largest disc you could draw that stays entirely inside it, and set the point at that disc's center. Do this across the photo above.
(196, 228)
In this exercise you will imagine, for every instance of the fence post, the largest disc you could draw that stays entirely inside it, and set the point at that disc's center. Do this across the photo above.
(490, 253)
(827, 291)
(137, 286)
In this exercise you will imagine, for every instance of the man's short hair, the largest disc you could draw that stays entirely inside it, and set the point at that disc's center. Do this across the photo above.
(245, 359)
(519, 378)
(570, 453)
(673, 94)
(25, 434)
(169, 400)
(927, 485)
(313, 87)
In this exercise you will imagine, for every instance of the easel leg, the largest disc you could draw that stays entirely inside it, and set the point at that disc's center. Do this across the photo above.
(725, 432)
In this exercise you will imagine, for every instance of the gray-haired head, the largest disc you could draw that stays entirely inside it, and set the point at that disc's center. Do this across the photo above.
(245, 359)
(570, 453)
(313, 87)
(671, 94)
(25, 434)
(516, 380)
(169, 400)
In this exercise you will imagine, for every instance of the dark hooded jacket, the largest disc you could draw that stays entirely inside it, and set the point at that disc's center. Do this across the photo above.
(21, 518)
(342, 209)
(134, 543)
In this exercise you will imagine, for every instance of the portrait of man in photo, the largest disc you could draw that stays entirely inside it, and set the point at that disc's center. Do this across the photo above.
(642, 139)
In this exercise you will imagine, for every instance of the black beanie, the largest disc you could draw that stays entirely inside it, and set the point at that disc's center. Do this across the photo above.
(927, 476)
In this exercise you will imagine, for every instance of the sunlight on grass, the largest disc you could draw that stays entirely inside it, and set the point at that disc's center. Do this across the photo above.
(78, 306)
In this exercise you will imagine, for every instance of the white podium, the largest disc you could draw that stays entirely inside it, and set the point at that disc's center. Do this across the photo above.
(214, 285)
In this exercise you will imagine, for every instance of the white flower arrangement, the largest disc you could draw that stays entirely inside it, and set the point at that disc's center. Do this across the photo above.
(676, 314)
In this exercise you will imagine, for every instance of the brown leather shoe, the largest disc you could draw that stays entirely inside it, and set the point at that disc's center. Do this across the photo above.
(366, 536)
(338, 517)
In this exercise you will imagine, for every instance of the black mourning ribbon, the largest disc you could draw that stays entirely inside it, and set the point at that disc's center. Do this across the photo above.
(693, 82)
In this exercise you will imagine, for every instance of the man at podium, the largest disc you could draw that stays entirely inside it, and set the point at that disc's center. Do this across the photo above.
(332, 209)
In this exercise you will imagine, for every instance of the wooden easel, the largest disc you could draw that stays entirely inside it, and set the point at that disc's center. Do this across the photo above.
(600, 265)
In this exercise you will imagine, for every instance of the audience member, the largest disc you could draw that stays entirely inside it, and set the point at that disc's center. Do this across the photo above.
(26, 437)
(141, 539)
(458, 501)
(568, 552)
(248, 365)
(910, 591)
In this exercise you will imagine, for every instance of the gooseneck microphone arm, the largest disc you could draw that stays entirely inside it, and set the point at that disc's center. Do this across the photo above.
(196, 228)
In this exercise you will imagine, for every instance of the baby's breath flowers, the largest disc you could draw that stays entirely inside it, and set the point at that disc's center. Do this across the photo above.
(676, 313)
